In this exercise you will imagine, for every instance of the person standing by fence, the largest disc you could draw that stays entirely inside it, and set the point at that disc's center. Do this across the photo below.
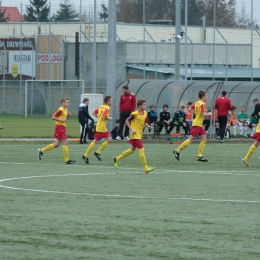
(223, 105)
(127, 105)
(83, 116)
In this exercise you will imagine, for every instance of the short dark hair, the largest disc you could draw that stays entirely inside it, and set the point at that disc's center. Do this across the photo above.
(224, 92)
(125, 87)
(140, 102)
(63, 99)
(202, 94)
(165, 105)
(233, 107)
(85, 99)
(255, 100)
(152, 105)
(189, 103)
(182, 107)
(106, 99)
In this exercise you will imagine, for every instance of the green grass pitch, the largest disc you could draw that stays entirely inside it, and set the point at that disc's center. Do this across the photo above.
(182, 210)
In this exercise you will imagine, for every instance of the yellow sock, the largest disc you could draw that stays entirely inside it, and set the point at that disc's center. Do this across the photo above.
(102, 146)
(250, 152)
(47, 148)
(90, 147)
(65, 151)
(143, 158)
(124, 154)
(201, 147)
(183, 145)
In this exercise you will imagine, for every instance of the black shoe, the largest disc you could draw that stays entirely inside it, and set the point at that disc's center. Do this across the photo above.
(81, 142)
(40, 154)
(201, 159)
(176, 155)
(97, 155)
(157, 134)
(85, 159)
(70, 161)
(85, 142)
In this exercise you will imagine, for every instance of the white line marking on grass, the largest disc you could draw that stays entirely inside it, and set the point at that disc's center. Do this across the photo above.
(111, 195)
(228, 172)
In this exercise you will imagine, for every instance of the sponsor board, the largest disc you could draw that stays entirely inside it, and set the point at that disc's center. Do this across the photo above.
(21, 62)
(49, 58)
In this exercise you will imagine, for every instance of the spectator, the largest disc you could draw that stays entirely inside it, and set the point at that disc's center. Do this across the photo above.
(165, 116)
(243, 119)
(152, 117)
(178, 120)
(232, 120)
(223, 105)
(252, 125)
(189, 116)
(257, 107)
(127, 105)
(83, 117)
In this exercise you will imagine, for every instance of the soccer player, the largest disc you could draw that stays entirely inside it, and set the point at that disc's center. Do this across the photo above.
(253, 147)
(102, 114)
(60, 116)
(136, 122)
(199, 109)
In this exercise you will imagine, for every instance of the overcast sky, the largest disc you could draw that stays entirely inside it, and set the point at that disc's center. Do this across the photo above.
(88, 6)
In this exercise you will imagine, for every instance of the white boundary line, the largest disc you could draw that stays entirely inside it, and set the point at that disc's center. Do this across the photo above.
(110, 195)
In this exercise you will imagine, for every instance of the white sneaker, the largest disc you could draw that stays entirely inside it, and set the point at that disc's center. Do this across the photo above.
(126, 138)
(118, 138)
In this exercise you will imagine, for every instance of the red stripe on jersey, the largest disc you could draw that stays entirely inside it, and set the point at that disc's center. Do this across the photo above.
(146, 120)
(105, 113)
(58, 113)
(192, 106)
(96, 111)
(203, 108)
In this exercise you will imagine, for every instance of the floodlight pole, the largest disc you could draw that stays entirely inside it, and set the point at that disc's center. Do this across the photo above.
(111, 59)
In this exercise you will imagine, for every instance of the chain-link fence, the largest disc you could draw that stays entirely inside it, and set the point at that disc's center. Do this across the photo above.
(152, 44)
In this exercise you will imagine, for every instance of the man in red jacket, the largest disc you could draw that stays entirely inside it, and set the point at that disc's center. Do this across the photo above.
(223, 105)
(127, 105)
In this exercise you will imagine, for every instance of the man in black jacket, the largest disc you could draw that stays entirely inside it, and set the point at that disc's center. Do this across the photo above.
(257, 107)
(83, 117)
(164, 120)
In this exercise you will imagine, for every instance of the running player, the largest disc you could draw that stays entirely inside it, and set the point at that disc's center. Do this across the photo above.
(136, 122)
(253, 147)
(60, 116)
(199, 109)
(103, 114)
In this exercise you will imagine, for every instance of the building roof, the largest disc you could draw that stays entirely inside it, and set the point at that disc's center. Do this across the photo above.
(12, 13)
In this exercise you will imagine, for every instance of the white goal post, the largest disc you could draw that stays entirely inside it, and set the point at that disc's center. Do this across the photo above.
(81, 82)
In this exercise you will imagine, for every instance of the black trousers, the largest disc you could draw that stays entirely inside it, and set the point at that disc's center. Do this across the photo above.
(222, 120)
(160, 127)
(178, 127)
(206, 122)
(84, 132)
(123, 116)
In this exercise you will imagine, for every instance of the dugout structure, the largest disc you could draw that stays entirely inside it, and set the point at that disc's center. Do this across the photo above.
(177, 93)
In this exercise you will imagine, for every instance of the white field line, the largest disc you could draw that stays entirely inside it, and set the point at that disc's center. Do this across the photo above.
(113, 195)
(228, 172)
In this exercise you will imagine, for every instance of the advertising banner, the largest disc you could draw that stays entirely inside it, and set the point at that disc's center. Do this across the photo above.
(21, 63)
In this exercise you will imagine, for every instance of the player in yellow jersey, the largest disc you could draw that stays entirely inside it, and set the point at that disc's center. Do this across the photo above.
(136, 122)
(253, 147)
(199, 109)
(103, 114)
(60, 116)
